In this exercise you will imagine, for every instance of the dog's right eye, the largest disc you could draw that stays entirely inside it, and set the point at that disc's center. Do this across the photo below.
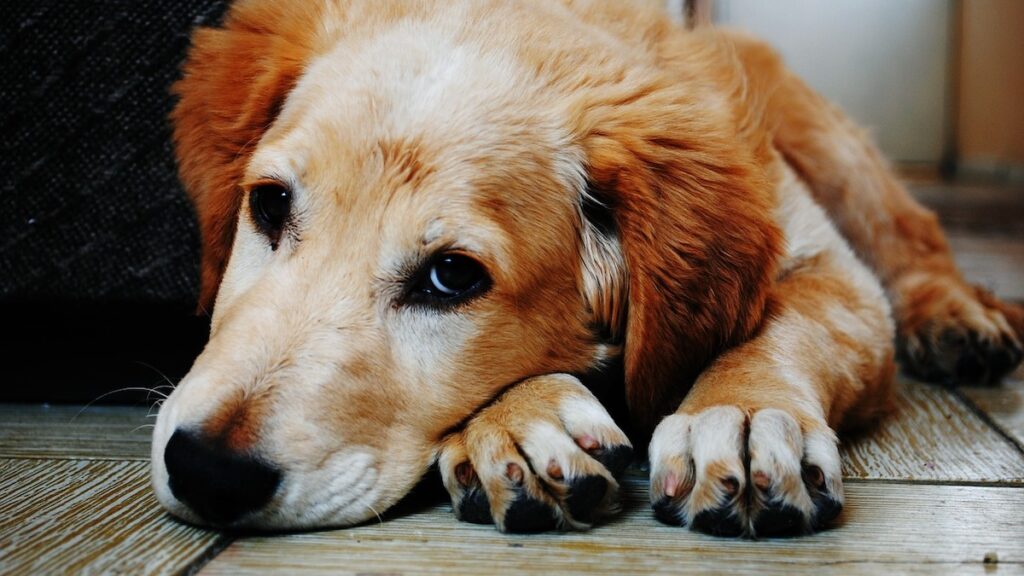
(270, 205)
(449, 279)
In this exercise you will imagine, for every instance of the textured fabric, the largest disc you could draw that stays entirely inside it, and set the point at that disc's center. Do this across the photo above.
(90, 205)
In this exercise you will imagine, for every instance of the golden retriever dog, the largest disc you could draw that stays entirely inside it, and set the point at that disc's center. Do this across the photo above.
(432, 228)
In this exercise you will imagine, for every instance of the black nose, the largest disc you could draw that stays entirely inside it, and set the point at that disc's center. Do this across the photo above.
(217, 483)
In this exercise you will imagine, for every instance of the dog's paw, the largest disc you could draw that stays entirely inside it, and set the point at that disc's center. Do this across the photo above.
(545, 456)
(953, 334)
(719, 473)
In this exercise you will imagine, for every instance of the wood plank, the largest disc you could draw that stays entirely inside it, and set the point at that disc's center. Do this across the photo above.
(54, 431)
(932, 436)
(1003, 404)
(886, 527)
(90, 516)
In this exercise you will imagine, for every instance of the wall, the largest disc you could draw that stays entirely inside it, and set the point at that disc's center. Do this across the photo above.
(885, 62)
(991, 119)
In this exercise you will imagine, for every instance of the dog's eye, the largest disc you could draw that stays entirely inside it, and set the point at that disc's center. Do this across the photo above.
(450, 278)
(270, 205)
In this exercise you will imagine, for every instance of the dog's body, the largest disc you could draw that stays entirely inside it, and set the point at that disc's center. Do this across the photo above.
(436, 212)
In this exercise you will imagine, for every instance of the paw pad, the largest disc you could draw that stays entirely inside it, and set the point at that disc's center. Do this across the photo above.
(527, 515)
(666, 512)
(585, 495)
(475, 508)
(779, 519)
(615, 458)
(721, 521)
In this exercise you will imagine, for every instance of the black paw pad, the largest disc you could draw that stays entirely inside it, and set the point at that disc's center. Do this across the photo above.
(475, 507)
(585, 495)
(528, 515)
(615, 458)
(971, 367)
(665, 511)
(826, 509)
(1004, 359)
(779, 519)
(718, 522)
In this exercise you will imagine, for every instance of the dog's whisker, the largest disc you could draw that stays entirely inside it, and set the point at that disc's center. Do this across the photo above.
(380, 519)
(112, 392)
(157, 389)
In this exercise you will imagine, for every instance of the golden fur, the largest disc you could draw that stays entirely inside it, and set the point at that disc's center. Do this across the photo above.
(677, 200)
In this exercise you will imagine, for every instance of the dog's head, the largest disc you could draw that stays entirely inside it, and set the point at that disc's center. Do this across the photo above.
(404, 214)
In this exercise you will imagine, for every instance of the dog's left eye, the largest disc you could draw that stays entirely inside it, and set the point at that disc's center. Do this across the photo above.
(270, 205)
(450, 278)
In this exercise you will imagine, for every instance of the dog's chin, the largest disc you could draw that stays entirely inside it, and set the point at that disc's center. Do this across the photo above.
(272, 519)
(343, 494)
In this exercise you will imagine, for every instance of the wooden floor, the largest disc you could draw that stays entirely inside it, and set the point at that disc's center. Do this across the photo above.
(937, 488)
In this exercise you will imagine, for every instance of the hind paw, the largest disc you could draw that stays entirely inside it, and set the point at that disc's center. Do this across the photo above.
(950, 333)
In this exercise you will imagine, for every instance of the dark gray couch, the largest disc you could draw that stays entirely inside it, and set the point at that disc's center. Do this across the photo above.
(98, 245)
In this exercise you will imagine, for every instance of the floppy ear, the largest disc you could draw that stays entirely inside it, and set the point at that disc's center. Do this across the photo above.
(234, 82)
(691, 208)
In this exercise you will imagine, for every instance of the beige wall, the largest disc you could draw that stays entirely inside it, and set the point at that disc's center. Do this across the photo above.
(886, 62)
(991, 119)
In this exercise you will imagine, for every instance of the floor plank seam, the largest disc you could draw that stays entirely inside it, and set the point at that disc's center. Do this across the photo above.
(1018, 484)
(987, 419)
(915, 562)
(207, 556)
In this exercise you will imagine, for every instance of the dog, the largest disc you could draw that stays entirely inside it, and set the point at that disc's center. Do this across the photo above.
(429, 226)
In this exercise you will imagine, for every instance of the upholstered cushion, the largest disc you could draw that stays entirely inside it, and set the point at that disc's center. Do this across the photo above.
(90, 205)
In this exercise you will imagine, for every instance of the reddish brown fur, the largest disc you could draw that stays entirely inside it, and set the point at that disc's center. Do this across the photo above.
(695, 221)
(236, 79)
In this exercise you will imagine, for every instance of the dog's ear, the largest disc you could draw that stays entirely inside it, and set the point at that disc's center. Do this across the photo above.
(234, 82)
(686, 223)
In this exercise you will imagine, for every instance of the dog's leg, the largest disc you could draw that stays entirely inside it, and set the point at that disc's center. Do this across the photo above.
(948, 330)
(545, 455)
(752, 448)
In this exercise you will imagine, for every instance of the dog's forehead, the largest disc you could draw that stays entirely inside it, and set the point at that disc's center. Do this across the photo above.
(437, 137)
(421, 96)
(400, 85)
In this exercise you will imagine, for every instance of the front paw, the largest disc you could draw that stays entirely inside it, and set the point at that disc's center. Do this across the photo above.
(546, 455)
(720, 473)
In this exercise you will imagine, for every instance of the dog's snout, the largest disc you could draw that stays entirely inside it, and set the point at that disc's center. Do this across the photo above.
(219, 484)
